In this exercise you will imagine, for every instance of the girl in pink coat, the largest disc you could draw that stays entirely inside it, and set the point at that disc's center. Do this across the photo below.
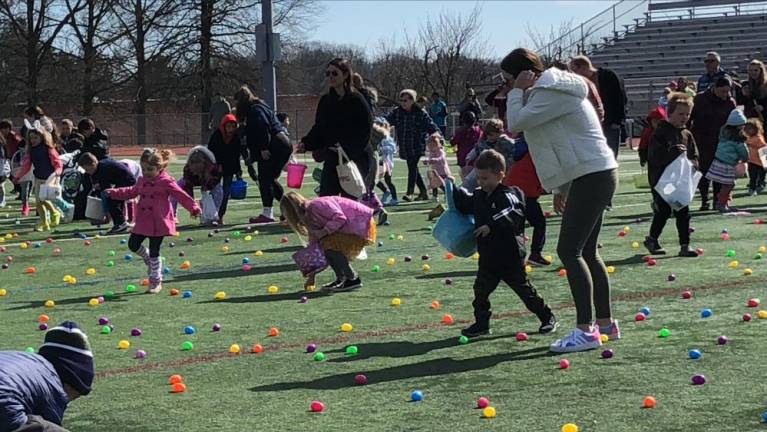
(439, 170)
(154, 212)
(339, 227)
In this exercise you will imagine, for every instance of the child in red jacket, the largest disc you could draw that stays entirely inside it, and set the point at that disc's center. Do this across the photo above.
(654, 118)
(523, 175)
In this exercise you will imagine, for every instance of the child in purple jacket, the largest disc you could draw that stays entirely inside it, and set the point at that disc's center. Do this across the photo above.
(341, 227)
(155, 217)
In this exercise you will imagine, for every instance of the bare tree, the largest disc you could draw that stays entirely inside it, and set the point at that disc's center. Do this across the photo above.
(36, 23)
(151, 33)
(560, 42)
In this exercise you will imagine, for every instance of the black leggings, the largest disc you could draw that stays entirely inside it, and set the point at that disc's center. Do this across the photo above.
(755, 176)
(268, 173)
(135, 240)
(414, 176)
(388, 186)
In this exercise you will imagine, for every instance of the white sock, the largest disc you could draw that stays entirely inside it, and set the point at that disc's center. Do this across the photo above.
(268, 212)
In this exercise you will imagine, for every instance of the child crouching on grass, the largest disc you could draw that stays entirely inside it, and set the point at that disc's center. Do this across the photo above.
(155, 217)
(499, 220)
(35, 389)
(670, 139)
(340, 226)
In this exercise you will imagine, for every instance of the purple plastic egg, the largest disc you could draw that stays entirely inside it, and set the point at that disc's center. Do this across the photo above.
(408, 258)
(311, 348)
(135, 331)
(140, 354)
(671, 277)
(43, 326)
(303, 299)
(448, 281)
(698, 379)
(722, 340)
(103, 321)
(608, 353)
(216, 327)
(101, 299)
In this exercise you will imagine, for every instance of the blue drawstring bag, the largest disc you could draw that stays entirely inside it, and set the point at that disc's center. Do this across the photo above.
(455, 230)
(239, 189)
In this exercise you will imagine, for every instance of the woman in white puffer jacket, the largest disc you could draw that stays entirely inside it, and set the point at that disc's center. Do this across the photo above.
(574, 162)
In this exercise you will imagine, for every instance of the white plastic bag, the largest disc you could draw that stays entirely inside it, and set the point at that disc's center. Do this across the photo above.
(209, 208)
(679, 182)
(51, 189)
(349, 175)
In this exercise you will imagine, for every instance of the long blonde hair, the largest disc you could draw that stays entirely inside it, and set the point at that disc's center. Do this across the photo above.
(293, 208)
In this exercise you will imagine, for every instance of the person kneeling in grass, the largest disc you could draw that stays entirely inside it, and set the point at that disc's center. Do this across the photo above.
(35, 389)
(670, 139)
(107, 174)
(499, 220)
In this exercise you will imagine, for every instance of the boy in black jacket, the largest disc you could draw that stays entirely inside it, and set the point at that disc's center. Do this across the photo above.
(499, 220)
(108, 173)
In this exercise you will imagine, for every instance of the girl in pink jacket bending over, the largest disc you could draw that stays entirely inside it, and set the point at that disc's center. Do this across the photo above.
(338, 226)
(154, 214)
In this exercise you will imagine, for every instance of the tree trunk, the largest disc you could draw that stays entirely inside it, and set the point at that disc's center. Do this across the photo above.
(89, 59)
(206, 73)
(141, 92)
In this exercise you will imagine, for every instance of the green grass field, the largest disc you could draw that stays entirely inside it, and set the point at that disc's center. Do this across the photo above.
(403, 348)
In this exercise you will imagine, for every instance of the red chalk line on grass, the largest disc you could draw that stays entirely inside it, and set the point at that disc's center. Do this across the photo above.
(342, 338)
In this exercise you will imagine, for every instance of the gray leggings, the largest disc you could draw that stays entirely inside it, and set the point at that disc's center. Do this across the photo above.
(587, 199)
(340, 265)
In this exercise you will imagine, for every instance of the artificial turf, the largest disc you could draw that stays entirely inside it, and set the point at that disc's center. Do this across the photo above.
(400, 349)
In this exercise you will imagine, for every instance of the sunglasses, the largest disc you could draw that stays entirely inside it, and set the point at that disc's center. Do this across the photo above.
(331, 73)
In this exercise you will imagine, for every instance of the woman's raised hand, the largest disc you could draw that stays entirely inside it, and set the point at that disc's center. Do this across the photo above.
(524, 80)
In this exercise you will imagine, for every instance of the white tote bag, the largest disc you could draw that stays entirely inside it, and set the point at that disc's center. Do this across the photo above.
(679, 182)
(209, 208)
(51, 189)
(349, 175)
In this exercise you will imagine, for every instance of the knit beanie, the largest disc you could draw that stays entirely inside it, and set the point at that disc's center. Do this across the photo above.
(67, 348)
(736, 118)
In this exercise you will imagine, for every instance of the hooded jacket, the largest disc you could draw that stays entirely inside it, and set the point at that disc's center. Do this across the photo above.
(227, 150)
(663, 149)
(709, 114)
(208, 179)
(97, 144)
(562, 129)
(644, 141)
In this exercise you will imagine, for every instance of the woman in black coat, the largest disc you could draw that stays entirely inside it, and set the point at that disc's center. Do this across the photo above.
(268, 145)
(343, 119)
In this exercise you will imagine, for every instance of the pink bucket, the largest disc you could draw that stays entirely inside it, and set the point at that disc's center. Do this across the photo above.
(296, 175)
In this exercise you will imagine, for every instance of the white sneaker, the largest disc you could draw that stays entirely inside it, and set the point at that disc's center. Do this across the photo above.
(577, 340)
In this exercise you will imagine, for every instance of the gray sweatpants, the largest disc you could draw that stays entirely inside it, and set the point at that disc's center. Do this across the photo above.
(587, 199)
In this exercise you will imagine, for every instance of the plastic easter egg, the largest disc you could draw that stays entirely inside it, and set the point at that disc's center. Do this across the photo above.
(106, 329)
(722, 340)
(136, 332)
(762, 314)
(483, 403)
(317, 407)
(664, 333)
(391, 261)
(645, 310)
(318, 357)
(43, 327)
(216, 327)
(190, 330)
(694, 354)
(463, 340)
(311, 348)
(360, 379)
(396, 302)
(522, 336)
(257, 349)
(173, 292)
(130, 288)
(607, 354)
(128, 257)
(610, 269)
(186, 294)
(528, 269)
(671, 277)
(234, 349)
(416, 396)
(434, 305)
(686, 295)
(564, 364)
(754, 302)
(376, 268)
(488, 412)
(635, 245)
(3, 292)
(747, 272)
(90, 272)
(604, 338)
(352, 350)
(562, 272)
(733, 264)
(274, 332)
(730, 253)
(178, 388)
(187, 346)
(447, 319)
(747, 317)
(123, 344)
(569, 427)
(649, 402)
(273, 289)
(50, 304)
(221, 295)
(426, 268)
(259, 253)
(762, 249)
(93, 302)
(140, 354)
(705, 313)
(698, 379)
(640, 316)
(346, 327)
(225, 249)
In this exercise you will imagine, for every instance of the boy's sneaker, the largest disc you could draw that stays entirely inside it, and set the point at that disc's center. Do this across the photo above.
(577, 340)
(686, 252)
(261, 219)
(385, 197)
(392, 203)
(476, 330)
(25, 210)
(436, 212)
(119, 229)
(329, 286)
(612, 331)
(538, 260)
(408, 198)
(347, 285)
(548, 326)
(653, 246)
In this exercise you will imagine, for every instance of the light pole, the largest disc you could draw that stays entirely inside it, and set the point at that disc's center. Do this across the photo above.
(268, 49)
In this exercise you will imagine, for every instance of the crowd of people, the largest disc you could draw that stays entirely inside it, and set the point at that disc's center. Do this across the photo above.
(558, 130)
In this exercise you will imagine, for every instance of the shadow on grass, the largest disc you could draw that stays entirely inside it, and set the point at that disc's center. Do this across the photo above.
(233, 273)
(437, 367)
(458, 273)
(399, 349)
(635, 259)
(71, 301)
(264, 298)
(284, 249)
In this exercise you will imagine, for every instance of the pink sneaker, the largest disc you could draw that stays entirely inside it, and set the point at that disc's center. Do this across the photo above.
(25, 210)
(261, 219)
(612, 331)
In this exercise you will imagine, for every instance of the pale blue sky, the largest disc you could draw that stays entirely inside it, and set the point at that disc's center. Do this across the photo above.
(365, 22)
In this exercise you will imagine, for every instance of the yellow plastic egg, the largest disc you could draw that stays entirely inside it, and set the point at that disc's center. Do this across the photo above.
(259, 253)
(273, 289)
(311, 288)
(396, 301)
(549, 258)
(475, 257)
(528, 269)
(570, 427)
(66, 278)
(72, 280)
(248, 238)
(225, 249)
(734, 264)
(627, 229)
(3, 292)
(220, 295)
(91, 271)
(762, 249)
(234, 349)
(426, 268)
(604, 338)
(93, 302)
(748, 272)
(488, 412)
(635, 245)
(346, 327)
(123, 344)
(391, 261)
(23, 245)
(610, 269)
(400, 237)
(762, 314)
(50, 303)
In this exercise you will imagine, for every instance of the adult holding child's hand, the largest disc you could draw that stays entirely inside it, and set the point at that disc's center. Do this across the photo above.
(573, 160)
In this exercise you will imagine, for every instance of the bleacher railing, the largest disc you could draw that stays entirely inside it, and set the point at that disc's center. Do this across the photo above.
(665, 10)
(604, 27)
